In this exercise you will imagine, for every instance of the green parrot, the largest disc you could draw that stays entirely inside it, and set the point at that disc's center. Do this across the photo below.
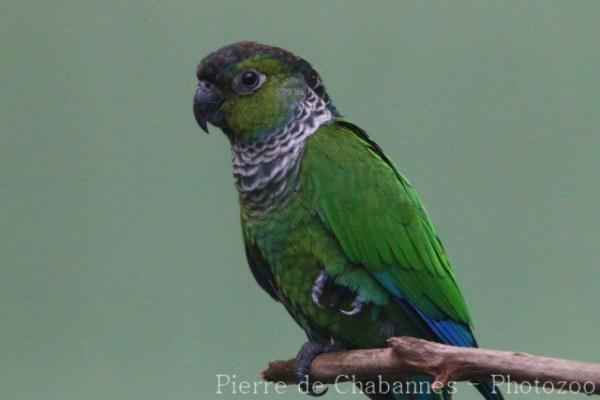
(332, 230)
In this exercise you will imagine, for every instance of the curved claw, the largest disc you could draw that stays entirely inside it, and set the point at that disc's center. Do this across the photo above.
(318, 288)
(305, 356)
(308, 388)
(356, 306)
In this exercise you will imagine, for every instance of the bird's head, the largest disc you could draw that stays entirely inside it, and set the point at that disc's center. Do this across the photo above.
(250, 90)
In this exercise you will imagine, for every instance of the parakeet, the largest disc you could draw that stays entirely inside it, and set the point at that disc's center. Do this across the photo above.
(332, 230)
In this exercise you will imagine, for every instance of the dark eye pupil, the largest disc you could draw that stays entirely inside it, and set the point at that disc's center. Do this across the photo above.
(249, 78)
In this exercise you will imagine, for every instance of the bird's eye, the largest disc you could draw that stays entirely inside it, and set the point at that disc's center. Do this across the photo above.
(248, 81)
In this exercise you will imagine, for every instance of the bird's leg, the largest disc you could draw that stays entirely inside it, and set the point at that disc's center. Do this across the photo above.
(337, 293)
(355, 307)
(318, 288)
(336, 298)
(308, 352)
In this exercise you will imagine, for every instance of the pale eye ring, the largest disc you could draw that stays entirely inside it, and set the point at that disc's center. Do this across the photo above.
(248, 80)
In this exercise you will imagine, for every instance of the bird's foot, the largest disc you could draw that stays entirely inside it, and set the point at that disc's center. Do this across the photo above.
(318, 288)
(355, 307)
(308, 352)
(337, 294)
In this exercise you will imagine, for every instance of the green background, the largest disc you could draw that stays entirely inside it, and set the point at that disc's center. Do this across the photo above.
(122, 274)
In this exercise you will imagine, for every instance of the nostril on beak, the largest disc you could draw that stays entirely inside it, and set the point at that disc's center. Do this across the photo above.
(205, 85)
(207, 100)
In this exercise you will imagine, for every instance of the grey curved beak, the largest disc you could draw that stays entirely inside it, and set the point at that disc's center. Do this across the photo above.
(207, 104)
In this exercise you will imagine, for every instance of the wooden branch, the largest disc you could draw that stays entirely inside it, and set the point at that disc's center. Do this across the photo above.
(409, 355)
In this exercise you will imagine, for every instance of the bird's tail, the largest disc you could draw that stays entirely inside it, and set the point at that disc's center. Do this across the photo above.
(415, 388)
(489, 391)
(418, 388)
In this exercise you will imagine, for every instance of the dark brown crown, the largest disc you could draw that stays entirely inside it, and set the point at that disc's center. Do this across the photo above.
(215, 65)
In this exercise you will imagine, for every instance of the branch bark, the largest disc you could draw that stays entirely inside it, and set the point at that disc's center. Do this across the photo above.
(408, 355)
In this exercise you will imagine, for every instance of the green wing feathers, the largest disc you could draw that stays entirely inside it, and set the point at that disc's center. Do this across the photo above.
(379, 220)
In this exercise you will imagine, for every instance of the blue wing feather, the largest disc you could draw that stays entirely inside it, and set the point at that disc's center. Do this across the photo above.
(442, 330)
